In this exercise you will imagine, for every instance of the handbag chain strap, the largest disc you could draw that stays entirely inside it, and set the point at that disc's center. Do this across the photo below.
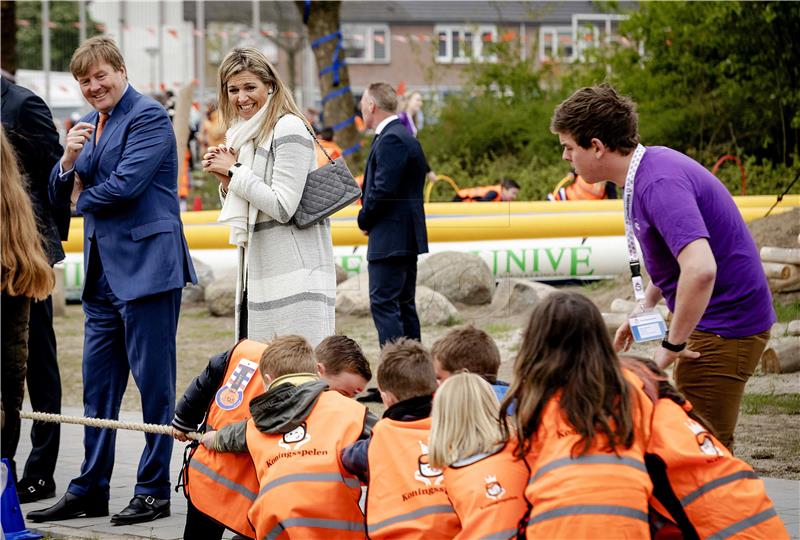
(313, 136)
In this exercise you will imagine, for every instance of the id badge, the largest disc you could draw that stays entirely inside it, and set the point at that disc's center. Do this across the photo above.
(647, 326)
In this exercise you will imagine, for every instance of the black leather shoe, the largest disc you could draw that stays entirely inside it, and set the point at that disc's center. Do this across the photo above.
(35, 489)
(71, 506)
(142, 508)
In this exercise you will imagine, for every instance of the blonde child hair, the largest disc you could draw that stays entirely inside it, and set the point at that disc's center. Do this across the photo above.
(25, 270)
(464, 420)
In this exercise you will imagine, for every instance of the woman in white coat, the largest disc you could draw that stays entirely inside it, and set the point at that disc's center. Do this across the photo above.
(287, 279)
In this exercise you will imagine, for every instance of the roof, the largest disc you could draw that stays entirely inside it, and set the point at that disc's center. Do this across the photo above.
(407, 12)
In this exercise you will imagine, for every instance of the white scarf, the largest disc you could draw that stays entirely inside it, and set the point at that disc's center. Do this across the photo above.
(236, 211)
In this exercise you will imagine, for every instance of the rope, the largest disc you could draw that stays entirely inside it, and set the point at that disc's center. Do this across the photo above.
(104, 423)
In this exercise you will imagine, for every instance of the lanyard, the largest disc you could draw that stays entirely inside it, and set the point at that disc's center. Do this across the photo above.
(627, 202)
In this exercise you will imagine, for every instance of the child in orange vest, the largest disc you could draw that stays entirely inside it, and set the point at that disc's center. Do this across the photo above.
(295, 437)
(340, 362)
(579, 422)
(471, 349)
(485, 482)
(405, 496)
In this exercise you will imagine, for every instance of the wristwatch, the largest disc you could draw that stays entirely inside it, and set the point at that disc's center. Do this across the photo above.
(233, 169)
(672, 347)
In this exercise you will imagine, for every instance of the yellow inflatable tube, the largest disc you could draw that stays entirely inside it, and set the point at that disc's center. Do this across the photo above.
(447, 229)
(534, 207)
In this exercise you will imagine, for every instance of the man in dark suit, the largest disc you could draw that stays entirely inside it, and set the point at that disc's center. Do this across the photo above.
(31, 131)
(120, 168)
(392, 216)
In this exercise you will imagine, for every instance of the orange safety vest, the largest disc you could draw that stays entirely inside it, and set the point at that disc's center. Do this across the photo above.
(708, 492)
(304, 490)
(488, 493)
(579, 190)
(406, 497)
(599, 494)
(474, 193)
(223, 485)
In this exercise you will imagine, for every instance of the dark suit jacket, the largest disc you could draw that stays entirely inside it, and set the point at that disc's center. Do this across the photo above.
(392, 211)
(31, 131)
(130, 200)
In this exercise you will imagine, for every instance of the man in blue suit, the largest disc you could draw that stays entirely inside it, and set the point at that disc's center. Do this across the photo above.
(392, 216)
(120, 169)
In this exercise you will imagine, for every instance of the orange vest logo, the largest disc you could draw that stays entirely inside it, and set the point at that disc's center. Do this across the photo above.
(297, 437)
(494, 490)
(703, 438)
(430, 476)
(231, 395)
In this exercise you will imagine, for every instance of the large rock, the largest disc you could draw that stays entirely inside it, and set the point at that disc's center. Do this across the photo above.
(196, 293)
(221, 295)
(514, 296)
(434, 309)
(341, 274)
(352, 296)
(460, 277)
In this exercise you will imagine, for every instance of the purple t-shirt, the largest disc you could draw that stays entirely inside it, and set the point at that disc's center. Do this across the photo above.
(676, 201)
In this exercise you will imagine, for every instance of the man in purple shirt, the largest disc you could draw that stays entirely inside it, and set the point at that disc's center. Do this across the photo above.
(698, 251)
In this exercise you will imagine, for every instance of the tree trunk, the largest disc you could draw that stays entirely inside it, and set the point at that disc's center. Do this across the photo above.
(323, 20)
(8, 30)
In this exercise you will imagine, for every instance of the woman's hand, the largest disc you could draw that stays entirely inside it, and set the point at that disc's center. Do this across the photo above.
(218, 160)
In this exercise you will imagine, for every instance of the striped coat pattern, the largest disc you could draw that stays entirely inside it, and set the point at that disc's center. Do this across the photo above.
(289, 273)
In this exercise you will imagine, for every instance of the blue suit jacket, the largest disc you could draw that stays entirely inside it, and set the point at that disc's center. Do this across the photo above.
(130, 202)
(392, 211)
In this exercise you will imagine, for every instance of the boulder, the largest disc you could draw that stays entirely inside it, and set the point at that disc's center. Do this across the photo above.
(434, 309)
(196, 293)
(220, 295)
(352, 296)
(514, 296)
(460, 277)
(341, 274)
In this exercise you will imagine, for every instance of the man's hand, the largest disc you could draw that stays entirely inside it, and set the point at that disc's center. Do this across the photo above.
(664, 358)
(180, 435)
(208, 439)
(623, 339)
(76, 140)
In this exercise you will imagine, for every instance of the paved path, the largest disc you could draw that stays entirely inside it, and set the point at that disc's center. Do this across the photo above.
(785, 493)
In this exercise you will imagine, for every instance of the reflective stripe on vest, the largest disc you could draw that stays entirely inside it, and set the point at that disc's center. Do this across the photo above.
(418, 513)
(709, 492)
(300, 475)
(406, 496)
(488, 493)
(589, 460)
(224, 485)
(501, 535)
(590, 509)
(316, 523)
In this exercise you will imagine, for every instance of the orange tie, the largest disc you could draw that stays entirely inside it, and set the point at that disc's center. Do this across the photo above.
(100, 125)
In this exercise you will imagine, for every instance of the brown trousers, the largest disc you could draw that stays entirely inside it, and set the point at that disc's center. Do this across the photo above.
(714, 383)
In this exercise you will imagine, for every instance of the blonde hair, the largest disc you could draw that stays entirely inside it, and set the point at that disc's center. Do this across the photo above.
(286, 355)
(94, 51)
(254, 61)
(464, 420)
(25, 270)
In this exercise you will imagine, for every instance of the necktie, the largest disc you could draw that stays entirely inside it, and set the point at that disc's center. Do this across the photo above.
(101, 123)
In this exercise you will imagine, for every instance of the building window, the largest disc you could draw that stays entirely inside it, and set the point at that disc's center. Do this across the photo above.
(555, 43)
(459, 44)
(591, 30)
(366, 43)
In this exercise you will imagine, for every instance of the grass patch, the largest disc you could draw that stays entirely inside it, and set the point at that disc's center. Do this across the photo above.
(787, 312)
(499, 328)
(771, 404)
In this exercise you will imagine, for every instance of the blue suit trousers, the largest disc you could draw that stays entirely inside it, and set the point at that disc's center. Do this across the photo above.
(121, 338)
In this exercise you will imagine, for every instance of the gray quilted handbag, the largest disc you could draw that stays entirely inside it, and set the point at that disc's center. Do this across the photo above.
(328, 189)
